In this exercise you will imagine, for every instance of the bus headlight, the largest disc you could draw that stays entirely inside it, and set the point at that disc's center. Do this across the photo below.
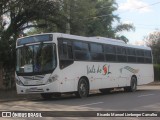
(52, 79)
(19, 82)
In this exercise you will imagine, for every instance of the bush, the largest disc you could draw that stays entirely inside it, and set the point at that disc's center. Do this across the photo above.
(157, 72)
(8, 79)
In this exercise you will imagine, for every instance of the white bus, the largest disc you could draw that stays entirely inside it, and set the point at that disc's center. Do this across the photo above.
(55, 63)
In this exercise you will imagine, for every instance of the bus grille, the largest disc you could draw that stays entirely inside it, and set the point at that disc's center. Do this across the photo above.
(36, 77)
(34, 90)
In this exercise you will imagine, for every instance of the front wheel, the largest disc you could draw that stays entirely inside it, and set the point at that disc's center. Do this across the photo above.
(83, 88)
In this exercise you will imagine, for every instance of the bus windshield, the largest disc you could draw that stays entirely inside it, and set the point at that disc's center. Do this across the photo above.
(37, 58)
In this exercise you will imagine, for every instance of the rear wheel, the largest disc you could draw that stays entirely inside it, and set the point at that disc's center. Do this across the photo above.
(133, 85)
(46, 95)
(83, 88)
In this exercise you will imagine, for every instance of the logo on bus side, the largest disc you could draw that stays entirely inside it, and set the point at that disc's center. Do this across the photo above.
(104, 70)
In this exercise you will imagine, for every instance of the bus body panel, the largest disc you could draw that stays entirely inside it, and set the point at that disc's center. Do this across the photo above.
(98, 79)
(48, 88)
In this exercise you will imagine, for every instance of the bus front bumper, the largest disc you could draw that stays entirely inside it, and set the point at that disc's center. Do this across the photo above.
(48, 88)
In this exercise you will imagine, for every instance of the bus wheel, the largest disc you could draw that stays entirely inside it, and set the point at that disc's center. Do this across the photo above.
(46, 95)
(105, 91)
(133, 85)
(83, 88)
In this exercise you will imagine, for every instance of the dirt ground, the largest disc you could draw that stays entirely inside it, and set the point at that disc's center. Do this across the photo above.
(12, 95)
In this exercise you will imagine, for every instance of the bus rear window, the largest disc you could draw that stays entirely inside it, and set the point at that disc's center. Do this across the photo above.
(33, 39)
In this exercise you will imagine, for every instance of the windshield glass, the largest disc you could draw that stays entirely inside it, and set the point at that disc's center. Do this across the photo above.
(36, 58)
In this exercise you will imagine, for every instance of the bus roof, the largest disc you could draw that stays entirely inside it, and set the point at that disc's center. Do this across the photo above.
(102, 40)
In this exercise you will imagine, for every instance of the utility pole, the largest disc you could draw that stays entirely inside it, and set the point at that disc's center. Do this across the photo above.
(68, 27)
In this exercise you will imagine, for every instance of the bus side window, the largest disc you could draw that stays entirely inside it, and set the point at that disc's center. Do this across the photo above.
(148, 56)
(110, 53)
(131, 54)
(81, 51)
(96, 52)
(121, 54)
(140, 56)
(65, 52)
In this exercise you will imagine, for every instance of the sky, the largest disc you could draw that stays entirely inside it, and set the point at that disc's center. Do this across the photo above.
(143, 14)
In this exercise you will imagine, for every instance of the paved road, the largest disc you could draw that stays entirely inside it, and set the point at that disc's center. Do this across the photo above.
(147, 98)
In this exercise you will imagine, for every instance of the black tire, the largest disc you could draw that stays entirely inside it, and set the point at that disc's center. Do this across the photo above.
(83, 88)
(105, 91)
(133, 85)
(46, 95)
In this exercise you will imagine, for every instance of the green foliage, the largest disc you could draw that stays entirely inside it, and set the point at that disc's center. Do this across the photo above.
(84, 17)
(124, 27)
(153, 41)
(8, 78)
(122, 38)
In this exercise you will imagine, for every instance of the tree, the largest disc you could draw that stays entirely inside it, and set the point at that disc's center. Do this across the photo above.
(22, 13)
(87, 18)
(123, 27)
(92, 17)
(101, 23)
(153, 41)
(122, 37)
